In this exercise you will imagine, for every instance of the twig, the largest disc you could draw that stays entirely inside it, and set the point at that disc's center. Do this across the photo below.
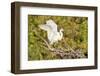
(43, 40)
(61, 52)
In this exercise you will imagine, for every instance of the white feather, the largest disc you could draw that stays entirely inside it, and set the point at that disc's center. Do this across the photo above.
(52, 32)
(52, 25)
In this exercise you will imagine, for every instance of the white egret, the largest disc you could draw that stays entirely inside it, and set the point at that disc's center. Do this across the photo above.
(52, 32)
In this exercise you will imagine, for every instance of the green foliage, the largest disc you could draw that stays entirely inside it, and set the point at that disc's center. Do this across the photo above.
(75, 35)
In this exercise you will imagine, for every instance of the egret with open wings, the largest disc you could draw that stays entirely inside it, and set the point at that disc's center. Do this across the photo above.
(52, 32)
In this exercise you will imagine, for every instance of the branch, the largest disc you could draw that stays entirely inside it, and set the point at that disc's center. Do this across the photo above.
(43, 40)
(63, 53)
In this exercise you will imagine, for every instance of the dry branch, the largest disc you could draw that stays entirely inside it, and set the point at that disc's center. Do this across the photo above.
(63, 54)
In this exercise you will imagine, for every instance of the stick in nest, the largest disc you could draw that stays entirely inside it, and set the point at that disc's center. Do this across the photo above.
(62, 53)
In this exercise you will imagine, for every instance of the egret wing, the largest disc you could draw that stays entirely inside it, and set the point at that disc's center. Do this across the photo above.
(52, 24)
(45, 27)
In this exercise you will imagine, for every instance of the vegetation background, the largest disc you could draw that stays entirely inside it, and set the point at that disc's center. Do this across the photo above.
(75, 35)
